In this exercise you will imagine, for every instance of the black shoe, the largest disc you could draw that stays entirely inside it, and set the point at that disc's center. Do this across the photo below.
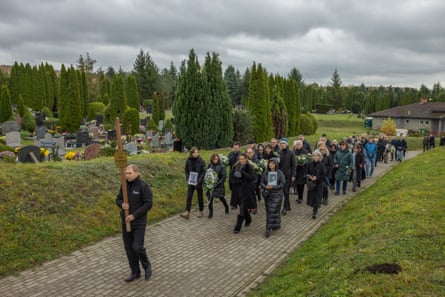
(132, 277)
(236, 231)
(314, 217)
(299, 200)
(325, 202)
(337, 193)
(147, 274)
(267, 234)
(284, 212)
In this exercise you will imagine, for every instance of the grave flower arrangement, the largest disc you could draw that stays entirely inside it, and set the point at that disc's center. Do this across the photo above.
(257, 168)
(263, 164)
(7, 156)
(210, 179)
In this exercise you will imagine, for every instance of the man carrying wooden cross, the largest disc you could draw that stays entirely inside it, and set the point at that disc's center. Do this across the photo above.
(140, 201)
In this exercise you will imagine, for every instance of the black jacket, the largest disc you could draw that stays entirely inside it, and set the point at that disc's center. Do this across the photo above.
(274, 199)
(288, 165)
(140, 201)
(197, 165)
(316, 169)
(219, 190)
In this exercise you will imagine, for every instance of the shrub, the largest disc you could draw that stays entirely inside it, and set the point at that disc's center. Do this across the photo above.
(388, 127)
(28, 122)
(95, 108)
(322, 108)
(306, 125)
(46, 113)
(130, 121)
(314, 122)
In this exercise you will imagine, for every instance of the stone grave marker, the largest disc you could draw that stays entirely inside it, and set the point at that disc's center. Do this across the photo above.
(82, 138)
(13, 139)
(10, 126)
(168, 139)
(29, 154)
(92, 151)
(131, 148)
(95, 132)
(40, 132)
(155, 141)
(111, 134)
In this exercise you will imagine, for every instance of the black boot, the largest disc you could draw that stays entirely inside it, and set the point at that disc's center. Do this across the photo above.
(314, 212)
(239, 223)
(248, 220)
(210, 211)
(146, 264)
(224, 202)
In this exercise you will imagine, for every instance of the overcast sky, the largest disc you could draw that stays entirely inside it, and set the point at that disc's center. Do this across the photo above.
(380, 42)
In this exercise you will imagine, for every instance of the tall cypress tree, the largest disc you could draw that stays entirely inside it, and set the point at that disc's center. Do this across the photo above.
(258, 104)
(63, 91)
(72, 106)
(131, 89)
(118, 103)
(14, 86)
(84, 98)
(232, 80)
(5, 105)
(189, 107)
(38, 89)
(218, 104)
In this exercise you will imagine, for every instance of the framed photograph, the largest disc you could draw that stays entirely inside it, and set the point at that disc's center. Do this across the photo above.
(193, 178)
(272, 178)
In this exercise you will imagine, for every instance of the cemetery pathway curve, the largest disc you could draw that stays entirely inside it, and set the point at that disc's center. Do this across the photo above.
(198, 257)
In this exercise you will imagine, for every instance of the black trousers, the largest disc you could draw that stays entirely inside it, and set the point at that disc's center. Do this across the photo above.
(190, 190)
(286, 194)
(134, 247)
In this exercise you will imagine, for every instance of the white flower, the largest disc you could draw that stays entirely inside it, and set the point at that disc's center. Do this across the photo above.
(210, 179)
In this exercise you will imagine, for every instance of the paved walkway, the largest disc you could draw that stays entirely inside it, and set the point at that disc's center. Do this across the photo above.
(199, 257)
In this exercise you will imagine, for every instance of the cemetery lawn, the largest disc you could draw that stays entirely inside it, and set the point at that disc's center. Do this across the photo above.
(54, 208)
(398, 220)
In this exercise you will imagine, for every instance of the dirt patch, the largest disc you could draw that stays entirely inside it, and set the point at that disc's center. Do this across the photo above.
(385, 268)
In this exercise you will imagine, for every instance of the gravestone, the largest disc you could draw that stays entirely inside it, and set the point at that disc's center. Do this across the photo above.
(29, 154)
(99, 119)
(92, 151)
(10, 126)
(60, 144)
(111, 134)
(131, 148)
(40, 132)
(82, 138)
(155, 142)
(94, 132)
(143, 122)
(161, 125)
(13, 139)
(168, 139)
(148, 133)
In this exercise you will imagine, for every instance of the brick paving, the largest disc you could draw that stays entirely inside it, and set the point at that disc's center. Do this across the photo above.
(198, 257)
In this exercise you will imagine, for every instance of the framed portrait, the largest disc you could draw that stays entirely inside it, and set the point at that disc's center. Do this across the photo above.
(272, 178)
(193, 178)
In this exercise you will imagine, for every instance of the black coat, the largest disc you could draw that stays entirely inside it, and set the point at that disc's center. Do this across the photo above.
(140, 201)
(287, 163)
(219, 190)
(316, 169)
(243, 185)
(273, 200)
(197, 165)
(300, 169)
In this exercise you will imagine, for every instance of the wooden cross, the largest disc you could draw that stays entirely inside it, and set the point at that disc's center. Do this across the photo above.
(120, 159)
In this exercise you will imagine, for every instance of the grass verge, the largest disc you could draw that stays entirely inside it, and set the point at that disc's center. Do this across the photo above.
(398, 220)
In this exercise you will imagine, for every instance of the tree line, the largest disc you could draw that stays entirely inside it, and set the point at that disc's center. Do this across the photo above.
(211, 108)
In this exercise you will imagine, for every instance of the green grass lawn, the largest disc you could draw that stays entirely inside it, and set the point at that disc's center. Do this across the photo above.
(399, 219)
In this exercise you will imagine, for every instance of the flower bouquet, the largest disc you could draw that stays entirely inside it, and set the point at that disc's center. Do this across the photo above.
(210, 179)
(258, 170)
(224, 159)
(303, 159)
(263, 164)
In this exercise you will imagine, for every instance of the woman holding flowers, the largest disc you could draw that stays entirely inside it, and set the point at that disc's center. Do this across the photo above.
(272, 185)
(214, 183)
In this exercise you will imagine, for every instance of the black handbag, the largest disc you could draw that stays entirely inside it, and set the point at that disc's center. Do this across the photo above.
(311, 185)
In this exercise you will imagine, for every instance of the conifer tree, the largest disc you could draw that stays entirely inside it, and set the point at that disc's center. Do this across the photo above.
(118, 103)
(28, 121)
(258, 104)
(5, 105)
(21, 106)
(72, 114)
(131, 90)
(38, 89)
(130, 121)
(232, 79)
(84, 98)
(14, 86)
(218, 105)
(63, 91)
(189, 107)
(279, 112)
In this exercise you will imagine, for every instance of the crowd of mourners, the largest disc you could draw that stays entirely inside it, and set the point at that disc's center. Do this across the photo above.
(274, 170)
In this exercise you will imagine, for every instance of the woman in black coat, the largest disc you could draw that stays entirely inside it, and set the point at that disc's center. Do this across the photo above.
(327, 161)
(273, 195)
(219, 190)
(242, 176)
(195, 168)
(316, 173)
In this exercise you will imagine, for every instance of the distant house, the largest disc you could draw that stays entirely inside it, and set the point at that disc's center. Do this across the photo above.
(429, 116)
